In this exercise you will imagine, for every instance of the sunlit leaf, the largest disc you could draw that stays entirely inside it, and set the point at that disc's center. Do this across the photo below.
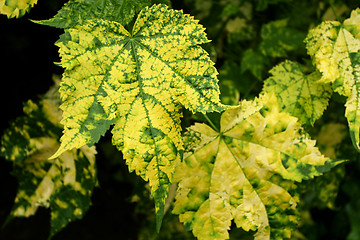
(246, 172)
(299, 94)
(137, 81)
(76, 12)
(335, 50)
(16, 8)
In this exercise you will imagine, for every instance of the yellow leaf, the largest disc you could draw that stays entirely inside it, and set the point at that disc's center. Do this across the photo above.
(299, 94)
(246, 172)
(335, 49)
(139, 81)
(16, 8)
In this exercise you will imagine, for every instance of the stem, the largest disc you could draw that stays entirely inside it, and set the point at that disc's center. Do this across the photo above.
(211, 123)
(333, 9)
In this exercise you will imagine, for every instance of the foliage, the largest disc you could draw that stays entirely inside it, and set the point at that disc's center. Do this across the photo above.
(16, 8)
(64, 183)
(138, 86)
(142, 69)
(233, 174)
(335, 50)
(301, 95)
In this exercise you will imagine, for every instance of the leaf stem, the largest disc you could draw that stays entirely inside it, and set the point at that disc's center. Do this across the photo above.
(210, 122)
(333, 9)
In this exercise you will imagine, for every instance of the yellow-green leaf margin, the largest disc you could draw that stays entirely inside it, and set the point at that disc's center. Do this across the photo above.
(334, 47)
(245, 172)
(300, 94)
(16, 8)
(139, 81)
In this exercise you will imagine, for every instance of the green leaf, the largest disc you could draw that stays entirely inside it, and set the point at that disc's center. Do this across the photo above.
(278, 39)
(64, 184)
(76, 12)
(255, 62)
(335, 48)
(233, 83)
(138, 81)
(16, 8)
(246, 172)
(263, 4)
(321, 192)
(299, 94)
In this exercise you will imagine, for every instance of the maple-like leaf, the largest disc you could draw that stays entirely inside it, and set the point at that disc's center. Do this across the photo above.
(246, 172)
(299, 94)
(137, 81)
(16, 8)
(76, 12)
(64, 184)
(335, 49)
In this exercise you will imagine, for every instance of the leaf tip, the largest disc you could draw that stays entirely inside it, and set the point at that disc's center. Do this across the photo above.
(60, 151)
(354, 141)
(159, 218)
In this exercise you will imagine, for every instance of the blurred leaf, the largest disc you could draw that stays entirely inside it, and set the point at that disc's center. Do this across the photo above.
(64, 184)
(330, 137)
(263, 4)
(255, 62)
(278, 39)
(244, 85)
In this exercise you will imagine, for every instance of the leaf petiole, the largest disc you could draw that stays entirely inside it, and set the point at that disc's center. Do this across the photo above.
(333, 9)
(210, 122)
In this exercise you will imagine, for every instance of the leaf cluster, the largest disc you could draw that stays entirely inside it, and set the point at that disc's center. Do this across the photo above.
(147, 71)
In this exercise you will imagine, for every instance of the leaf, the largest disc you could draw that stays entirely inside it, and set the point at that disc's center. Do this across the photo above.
(330, 45)
(255, 62)
(137, 81)
(64, 184)
(335, 48)
(76, 12)
(246, 172)
(16, 8)
(299, 94)
(330, 138)
(278, 38)
(322, 192)
(233, 83)
(263, 4)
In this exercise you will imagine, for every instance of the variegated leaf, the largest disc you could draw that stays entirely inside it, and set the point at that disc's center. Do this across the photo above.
(299, 94)
(246, 172)
(16, 8)
(138, 81)
(335, 47)
(64, 184)
(76, 12)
